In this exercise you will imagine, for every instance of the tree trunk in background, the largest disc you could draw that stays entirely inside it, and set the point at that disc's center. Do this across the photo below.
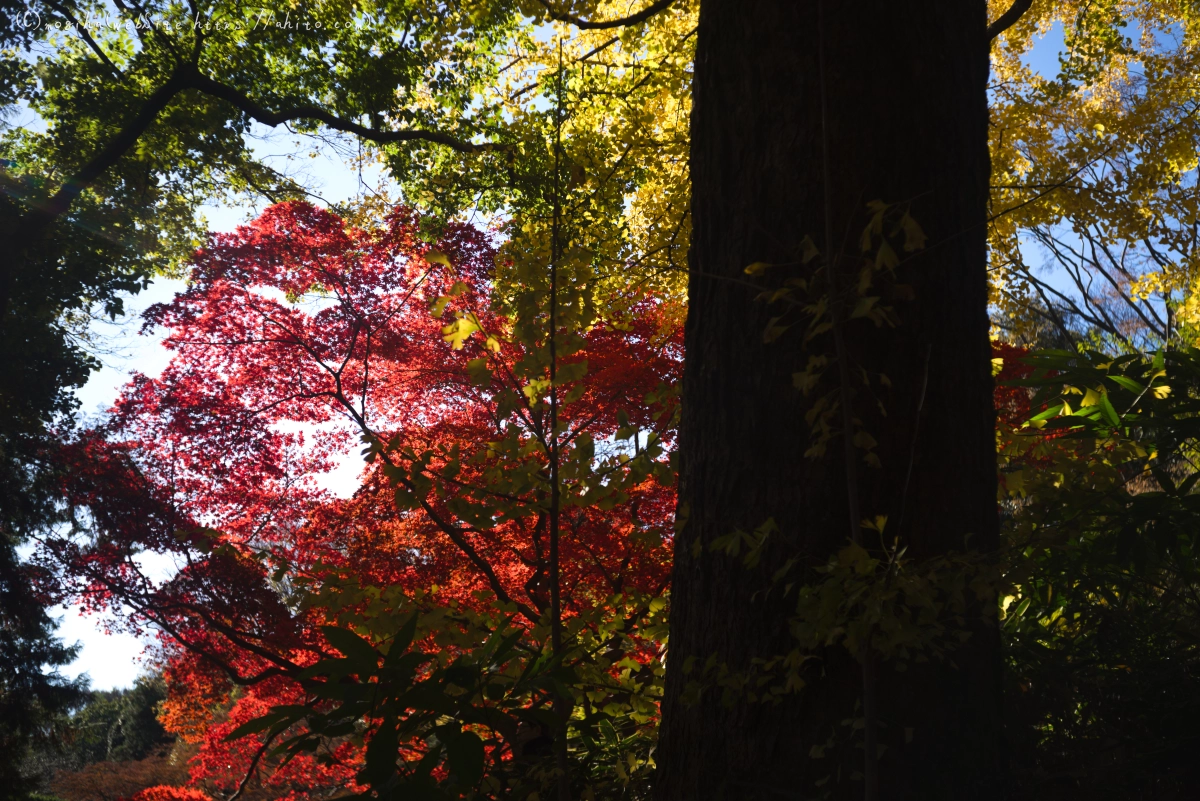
(907, 121)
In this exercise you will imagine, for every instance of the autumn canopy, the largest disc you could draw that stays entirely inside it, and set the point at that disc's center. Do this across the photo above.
(687, 400)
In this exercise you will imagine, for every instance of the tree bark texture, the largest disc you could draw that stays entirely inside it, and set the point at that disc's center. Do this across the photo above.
(907, 123)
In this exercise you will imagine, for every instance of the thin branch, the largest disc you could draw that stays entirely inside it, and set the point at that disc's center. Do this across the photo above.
(253, 766)
(595, 25)
(308, 112)
(584, 57)
(82, 30)
(1008, 18)
(112, 152)
(184, 77)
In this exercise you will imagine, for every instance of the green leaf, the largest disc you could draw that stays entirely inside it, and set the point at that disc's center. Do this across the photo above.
(914, 237)
(1128, 383)
(1047, 414)
(534, 389)
(382, 751)
(774, 330)
(465, 756)
(863, 307)
(1020, 610)
(1106, 409)
(363, 657)
(333, 668)
(401, 643)
(481, 376)
(808, 250)
(404, 498)
(254, 726)
(885, 257)
(571, 372)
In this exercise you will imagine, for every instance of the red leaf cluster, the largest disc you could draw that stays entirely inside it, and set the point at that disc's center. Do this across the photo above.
(166, 793)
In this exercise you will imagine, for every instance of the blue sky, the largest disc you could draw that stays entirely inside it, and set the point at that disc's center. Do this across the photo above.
(110, 657)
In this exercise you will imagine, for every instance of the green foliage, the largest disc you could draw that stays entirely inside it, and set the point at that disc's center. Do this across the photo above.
(863, 600)
(135, 126)
(34, 697)
(104, 726)
(899, 610)
(425, 714)
(454, 704)
(119, 725)
(816, 303)
(1100, 625)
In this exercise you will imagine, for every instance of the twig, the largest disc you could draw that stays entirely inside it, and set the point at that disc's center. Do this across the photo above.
(595, 25)
(253, 765)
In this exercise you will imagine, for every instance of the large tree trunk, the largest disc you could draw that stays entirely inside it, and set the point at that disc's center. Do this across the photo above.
(906, 122)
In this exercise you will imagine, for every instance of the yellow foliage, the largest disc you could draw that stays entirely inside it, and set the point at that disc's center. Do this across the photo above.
(1096, 165)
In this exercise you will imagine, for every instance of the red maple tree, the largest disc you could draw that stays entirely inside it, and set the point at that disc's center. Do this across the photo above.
(300, 339)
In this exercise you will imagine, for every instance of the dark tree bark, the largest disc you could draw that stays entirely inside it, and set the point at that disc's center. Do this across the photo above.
(907, 123)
